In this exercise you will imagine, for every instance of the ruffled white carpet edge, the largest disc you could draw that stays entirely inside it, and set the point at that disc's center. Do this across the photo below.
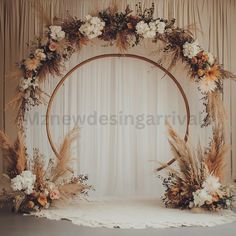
(134, 213)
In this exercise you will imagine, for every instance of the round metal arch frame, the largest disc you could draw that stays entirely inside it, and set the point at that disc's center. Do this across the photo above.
(49, 107)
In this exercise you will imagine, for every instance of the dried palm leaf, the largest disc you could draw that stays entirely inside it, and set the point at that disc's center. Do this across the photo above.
(215, 156)
(227, 75)
(216, 111)
(187, 163)
(64, 157)
(40, 174)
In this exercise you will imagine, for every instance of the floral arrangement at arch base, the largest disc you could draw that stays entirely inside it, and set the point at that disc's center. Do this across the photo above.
(30, 185)
(196, 183)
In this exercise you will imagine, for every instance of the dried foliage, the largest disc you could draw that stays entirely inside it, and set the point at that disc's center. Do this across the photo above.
(193, 173)
(37, 185)
(64, 156)
(14, 154)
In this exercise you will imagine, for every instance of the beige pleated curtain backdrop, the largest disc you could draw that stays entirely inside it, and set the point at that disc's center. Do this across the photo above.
(21, 21)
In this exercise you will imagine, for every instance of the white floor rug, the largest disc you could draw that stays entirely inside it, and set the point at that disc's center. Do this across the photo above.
(134, 213)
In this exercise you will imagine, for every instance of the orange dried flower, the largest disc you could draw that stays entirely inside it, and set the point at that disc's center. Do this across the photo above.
(42, 200)
(213, 73)
(130, 26)
(31, 64)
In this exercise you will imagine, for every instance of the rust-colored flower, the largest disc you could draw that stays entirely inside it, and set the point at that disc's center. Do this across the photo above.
(194, 60)
(53, 46)
(204, 57)
(42, 200)
(130, 25)
(215, 198)
(213, 73)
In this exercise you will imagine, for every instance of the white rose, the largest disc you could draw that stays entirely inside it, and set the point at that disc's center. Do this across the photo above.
(190, 50)
(92, 27)
(201, 197)
(161, 27)
(56, 32)
(39, 54)
(211, 58)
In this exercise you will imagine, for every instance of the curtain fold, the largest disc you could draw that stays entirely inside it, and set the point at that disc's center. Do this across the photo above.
(103, 87)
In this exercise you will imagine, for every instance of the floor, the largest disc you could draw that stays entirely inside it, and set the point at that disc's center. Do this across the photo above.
(18, 225)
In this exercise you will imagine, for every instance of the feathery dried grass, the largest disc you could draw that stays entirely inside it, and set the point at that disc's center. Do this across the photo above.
(40, 174)
(14, 153)
(64, 157)
(20, 153)
(188, 164)
(216, 111)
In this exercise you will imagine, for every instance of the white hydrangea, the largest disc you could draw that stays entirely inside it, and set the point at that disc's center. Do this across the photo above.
(146, 30)
(25, 181)
(160, 26)
(206, 85)
(211, 184)
(56, 32)
(92, 27)
(190, 50)
(150, 30)
(28, 82)
(200, 197)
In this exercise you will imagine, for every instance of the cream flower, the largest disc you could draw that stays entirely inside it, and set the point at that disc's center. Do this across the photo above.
(39, 54)
(56, 32)
(92, 27)
(211, 58)
(211, 184)
(207, 86)
(145, 30)
(25, 181)
(160, 26)
(25, 83)
(200, 197)
(190, 50)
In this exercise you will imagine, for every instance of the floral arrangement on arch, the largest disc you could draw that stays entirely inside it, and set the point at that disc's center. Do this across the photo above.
(125, 30)
(29, 184)
(197, 181)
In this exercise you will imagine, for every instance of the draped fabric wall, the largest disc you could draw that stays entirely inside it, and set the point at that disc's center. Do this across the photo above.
(118, 158)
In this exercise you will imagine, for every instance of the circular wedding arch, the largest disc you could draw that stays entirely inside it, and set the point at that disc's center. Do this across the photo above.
(134, 56)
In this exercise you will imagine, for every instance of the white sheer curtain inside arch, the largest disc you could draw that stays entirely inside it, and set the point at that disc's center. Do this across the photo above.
(121, 105)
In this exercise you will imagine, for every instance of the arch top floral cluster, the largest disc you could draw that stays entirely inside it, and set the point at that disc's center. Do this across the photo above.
(123, 29)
